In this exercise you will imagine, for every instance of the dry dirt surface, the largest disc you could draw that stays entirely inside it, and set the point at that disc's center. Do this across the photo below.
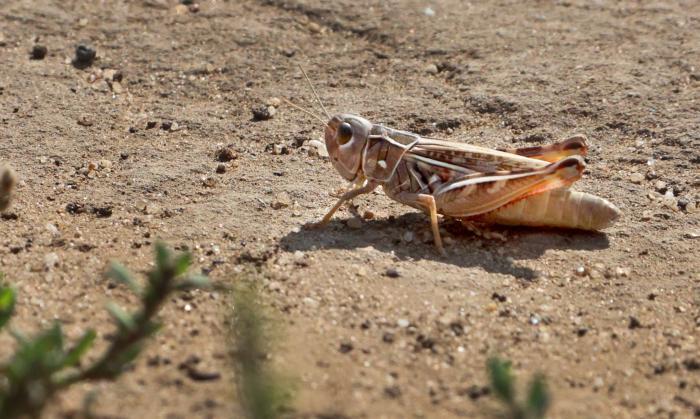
(375, 324)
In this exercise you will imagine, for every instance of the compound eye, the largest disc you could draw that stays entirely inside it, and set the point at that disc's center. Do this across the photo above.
(344, 133)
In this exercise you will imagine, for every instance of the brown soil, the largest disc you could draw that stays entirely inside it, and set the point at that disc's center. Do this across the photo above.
(625, 73)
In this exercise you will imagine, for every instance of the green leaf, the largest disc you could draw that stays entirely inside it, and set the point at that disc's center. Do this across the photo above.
(7, 305)
(538, 399)
(118, 272)
(151, 328)
(502, 381)
(73, 356)
(182, 263)
(193, 282)
(19, 336)
(124, 357)
(163, 256)
(124, 319)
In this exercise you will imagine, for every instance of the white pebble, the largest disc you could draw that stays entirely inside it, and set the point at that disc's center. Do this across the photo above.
(319, 148)
(53, 229)
(431, 69)
(51, 260)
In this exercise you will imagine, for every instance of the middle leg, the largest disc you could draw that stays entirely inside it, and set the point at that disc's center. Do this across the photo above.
(427, 203)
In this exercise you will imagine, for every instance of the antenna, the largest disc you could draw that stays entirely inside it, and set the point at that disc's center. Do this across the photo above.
(306, 111)
(314, 91)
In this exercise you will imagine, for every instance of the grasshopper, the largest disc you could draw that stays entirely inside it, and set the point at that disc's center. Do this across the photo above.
(522, 186)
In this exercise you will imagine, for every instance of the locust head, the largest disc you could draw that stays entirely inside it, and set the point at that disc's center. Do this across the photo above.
(346, 137)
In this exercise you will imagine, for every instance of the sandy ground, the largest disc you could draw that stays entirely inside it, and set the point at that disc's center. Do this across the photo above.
(611, 318)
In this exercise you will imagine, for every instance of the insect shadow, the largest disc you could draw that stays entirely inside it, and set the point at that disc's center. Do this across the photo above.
(467, 249)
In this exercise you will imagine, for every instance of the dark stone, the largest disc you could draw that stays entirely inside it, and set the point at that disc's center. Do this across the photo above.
(226, 154)
(499, 297)
(84, 56)
(392, 392)
(634, 323)
(39, 52)
(345, 347)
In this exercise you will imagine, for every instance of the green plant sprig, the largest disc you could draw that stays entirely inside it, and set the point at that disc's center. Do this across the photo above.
(42, 365)
(502, 380)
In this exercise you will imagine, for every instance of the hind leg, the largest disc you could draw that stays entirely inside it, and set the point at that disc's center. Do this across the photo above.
(575, 145)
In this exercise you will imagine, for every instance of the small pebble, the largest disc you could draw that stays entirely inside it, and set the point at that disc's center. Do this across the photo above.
(403, 323)
(392, 392)
(279, 149)
(491, 307)
(117, 87)
(263, 112)
(660, 186)
(85, 121)
(314, 27)
(392, 273)
(51, 260)
(310, 302)
(499, 297)
(226, 154)
(319, 148)
(636, 178)
(634, 323)
(221, 168)
(39, 52)
(108, 74)
(274, 101)
(53, 230)
(299, 257)
(181, 9)
(428, 11)
(84, 56)
(598, 383)
(208, 181)
(345, 347)
(431, 69)
(282, 200)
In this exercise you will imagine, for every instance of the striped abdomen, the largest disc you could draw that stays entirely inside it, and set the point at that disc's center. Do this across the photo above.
(561, 207)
